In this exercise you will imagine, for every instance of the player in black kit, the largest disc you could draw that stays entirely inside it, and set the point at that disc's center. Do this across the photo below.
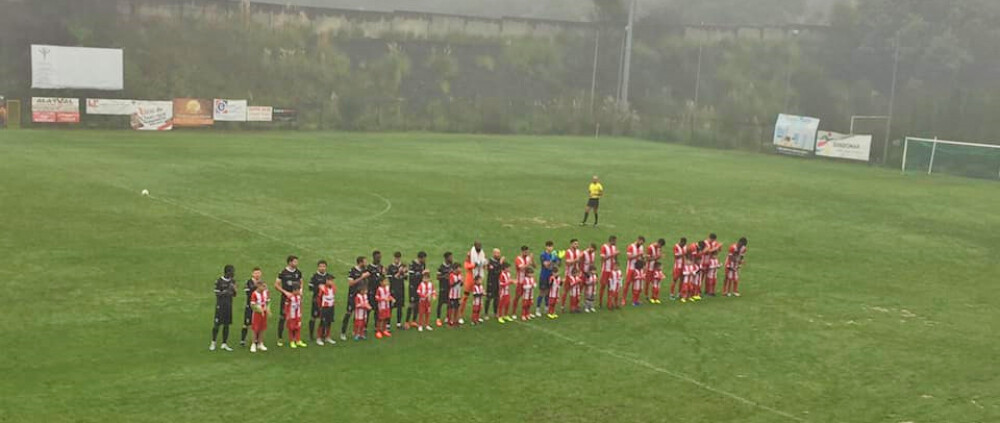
(444, 271)
(318, 278)
(356, 278)
(248, 289)
(416, 273)
(289, 279)
(225, 290)
(396, 271)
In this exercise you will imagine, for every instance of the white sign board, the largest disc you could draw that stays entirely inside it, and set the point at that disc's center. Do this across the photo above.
(260, 113)
(153, 116)
(105, 106)
(841, 146)
(796, 133)
(55, 110)
(56, 67)
(229, 110)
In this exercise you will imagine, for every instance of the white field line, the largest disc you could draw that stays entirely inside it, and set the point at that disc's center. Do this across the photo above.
(675, 375)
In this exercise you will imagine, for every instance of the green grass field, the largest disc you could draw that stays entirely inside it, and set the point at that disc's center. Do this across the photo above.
(868, 296)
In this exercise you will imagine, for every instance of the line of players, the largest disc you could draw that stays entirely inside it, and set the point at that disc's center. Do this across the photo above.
(695, 270)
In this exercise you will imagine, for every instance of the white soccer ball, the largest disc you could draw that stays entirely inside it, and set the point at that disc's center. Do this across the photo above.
(145, 192)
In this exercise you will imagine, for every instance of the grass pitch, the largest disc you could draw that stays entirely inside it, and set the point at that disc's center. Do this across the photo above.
(868, 296)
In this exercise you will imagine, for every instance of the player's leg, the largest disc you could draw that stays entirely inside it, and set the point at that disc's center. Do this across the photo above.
(281, 321)
(595, 214)
(346, 319)
(461, 309)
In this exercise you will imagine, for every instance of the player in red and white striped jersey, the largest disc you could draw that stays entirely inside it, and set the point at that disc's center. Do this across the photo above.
(326, 298)
(574, 282)
(587, 258)
(454, 294)
(678, 271)
(609, 259)
(734, 260)
(361, 308)
(504, 310)
(654, 252)
(554, 288)
(633, 253)
(690, 288)
(521, 264)
(710, 263)
(614, 286)
(426, 292)
(384, 298)
(656, 279)
(574, 260)
(590, 289)
(477, 299)
(527, 286)
(293, 315)
(260, 301)
(637, 281)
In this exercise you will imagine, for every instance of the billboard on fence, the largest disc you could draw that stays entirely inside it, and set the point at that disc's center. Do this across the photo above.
(285, 115)
(3, 112)
(192, 112)
(842, 146)
(260, 113)
(55, 110)
(229, 110)
(795, 134)
(153, 116)
(57, 67)
(114, 107)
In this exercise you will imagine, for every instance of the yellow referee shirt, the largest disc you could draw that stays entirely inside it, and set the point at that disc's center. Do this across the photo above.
(596, 190)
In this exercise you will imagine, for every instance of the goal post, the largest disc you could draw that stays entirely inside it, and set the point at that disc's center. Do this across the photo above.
(952, 157)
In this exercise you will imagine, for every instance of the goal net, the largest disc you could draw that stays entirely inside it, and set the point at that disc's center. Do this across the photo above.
(951, 157)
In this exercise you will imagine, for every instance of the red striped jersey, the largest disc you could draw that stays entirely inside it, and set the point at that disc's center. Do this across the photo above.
(293, 307)
(691, 271)
(554, 286)
(735, 256)
(640, 275)
(327, 295)
(653, 251)
(456, 286)
(527, 285)
(505, 283)
(425, 290)
(609, 255)
(477, 295)
(658, 275)
(632, 252)
(521, 263)
(616, 280)
(361, 306)
(572, 255)
(586, 259)
(260, 299)
(678, 256)
(382, 297)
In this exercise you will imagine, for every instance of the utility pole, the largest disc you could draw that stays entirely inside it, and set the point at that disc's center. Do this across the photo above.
(593, 77)
(892, 100)
(626, 67)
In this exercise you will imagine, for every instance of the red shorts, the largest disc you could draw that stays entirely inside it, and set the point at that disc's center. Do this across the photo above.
(733, 275)
(678, 272)
(259, 322)
(294, 323)
(605, 277)
(385, 313)
(425, 306)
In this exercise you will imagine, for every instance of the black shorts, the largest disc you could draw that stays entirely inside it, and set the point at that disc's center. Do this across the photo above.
(247, 316)
(350, 305)
(594, 202)
(452, 303)
(326, 314)
(314, 310)
(400, 298)
(223, 313)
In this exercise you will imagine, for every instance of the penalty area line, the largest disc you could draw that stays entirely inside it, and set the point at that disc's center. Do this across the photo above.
(673, 374)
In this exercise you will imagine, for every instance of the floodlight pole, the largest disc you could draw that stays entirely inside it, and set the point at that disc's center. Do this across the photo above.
(892, 100)
(593, 77)
(626, 67)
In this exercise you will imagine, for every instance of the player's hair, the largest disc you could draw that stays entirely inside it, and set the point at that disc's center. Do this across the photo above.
(657, 265)
(455, 266)
(290, 259)
(228, 269)
(701, 245)
(329, 276)
(422, 254)
(376, 253)
(639, 264)
(323, 262)
(684, 240)
(662, 242)
(447, 255)
(359, 259)
(549, 243)
(529, 270)
(573, 240)
(524, 248)
(256, 268)
(642, 238)
(593, 245)
(478, 278)
(397, 254)
(612, 238)
(712, 236)
(743, 240)
(505, 265)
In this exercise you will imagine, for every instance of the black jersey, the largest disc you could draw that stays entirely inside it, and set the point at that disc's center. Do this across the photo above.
(315, 282)
(444, 270)
(352, 290)
(225, 290)
(248, 289)
(493, 275)
(416, 276)
(291, 280)
(377, 273)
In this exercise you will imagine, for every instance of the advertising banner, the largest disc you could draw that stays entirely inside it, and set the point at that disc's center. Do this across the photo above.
(55, 110)
(153, 116)
(795, 134)
(192, 112)
(285, 115)
(229, 110)
(260, 113)
(57, 67)
(105, 106)
(842, 146)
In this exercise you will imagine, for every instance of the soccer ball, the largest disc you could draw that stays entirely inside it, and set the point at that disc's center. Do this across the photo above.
(145, 192)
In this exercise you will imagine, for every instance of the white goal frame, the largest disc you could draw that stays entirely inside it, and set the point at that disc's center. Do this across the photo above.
(934, 143)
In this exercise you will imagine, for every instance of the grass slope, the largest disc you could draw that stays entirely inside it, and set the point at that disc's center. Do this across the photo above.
(867, 295)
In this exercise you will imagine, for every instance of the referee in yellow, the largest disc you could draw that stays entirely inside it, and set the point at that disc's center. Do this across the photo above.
(594, 191)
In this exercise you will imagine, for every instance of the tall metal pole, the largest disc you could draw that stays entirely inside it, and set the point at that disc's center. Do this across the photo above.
(628, 51)
(892, 100)
(593, 77)
(697, 78)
